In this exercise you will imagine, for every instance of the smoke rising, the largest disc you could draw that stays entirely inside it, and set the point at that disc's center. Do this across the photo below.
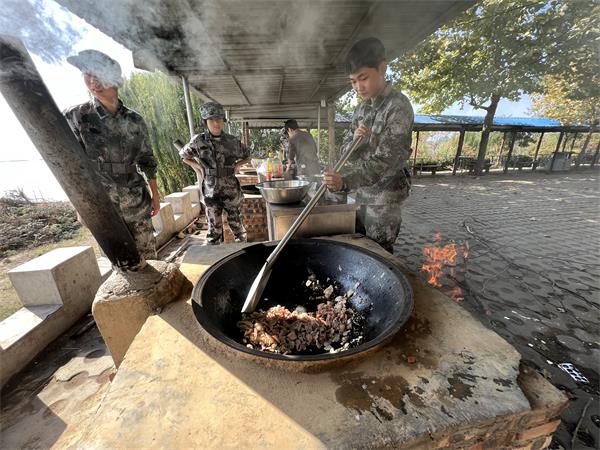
(207, 39)
(48, 35)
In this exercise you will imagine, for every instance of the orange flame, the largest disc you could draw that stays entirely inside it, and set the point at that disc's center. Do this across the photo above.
(439, 258)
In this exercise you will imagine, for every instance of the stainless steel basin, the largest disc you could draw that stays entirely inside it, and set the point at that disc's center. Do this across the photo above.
(282, 192)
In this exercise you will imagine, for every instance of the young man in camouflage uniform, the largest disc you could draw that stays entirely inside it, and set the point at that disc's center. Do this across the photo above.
(376, 172)
(115, 138)
(217, 155)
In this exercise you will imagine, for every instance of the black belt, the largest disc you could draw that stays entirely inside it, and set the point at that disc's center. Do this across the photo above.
(220, 172)
(117, 168)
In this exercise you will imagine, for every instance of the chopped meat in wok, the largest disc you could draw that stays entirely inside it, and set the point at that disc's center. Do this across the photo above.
(333, 327)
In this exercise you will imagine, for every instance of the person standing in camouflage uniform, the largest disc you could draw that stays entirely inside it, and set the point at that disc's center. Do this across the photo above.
(115, 138)
(217, 155)
(376, 171)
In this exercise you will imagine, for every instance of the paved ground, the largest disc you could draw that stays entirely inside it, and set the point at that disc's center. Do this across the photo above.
(532, 272)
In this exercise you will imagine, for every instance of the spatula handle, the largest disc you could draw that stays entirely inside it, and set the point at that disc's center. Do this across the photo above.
(311, 204)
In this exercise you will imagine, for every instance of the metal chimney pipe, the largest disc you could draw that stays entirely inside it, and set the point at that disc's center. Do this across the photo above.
(25, 92)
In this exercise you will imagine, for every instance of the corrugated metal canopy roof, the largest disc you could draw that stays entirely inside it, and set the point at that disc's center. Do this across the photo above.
(305, 120)
(425, 122)
(263, 59)
(475, 123)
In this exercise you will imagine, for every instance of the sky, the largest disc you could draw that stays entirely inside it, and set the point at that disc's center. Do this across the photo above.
(22, 167)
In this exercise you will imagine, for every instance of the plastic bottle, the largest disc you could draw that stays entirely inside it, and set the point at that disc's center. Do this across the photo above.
(269, 174)
(277, 167)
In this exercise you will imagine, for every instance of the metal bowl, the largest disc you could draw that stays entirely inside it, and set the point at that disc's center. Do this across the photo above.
(282, 192)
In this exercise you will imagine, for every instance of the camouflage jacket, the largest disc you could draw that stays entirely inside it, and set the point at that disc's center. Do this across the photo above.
(376, 170)
(117, 145)
(219, 155)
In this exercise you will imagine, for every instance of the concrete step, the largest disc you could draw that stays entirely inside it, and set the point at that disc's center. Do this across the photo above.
(105, 267)
(23, 322)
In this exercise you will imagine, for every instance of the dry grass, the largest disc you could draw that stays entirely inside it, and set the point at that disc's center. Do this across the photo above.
(29, 230)
(28, 225)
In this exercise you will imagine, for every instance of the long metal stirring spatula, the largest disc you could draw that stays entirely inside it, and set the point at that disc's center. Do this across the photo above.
(260, 282)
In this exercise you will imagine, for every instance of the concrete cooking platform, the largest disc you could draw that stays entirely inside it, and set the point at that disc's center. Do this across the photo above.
(444, 381)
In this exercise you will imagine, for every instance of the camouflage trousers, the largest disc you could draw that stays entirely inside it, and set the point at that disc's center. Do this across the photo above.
(135, 205)
(143, 235)
(380, 223)
(214, 217)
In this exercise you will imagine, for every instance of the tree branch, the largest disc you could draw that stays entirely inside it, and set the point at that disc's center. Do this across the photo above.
(476, 105)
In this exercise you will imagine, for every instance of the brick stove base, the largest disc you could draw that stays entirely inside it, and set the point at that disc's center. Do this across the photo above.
(254, 213)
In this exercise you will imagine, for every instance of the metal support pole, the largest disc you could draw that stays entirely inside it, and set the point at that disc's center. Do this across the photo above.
(415, 155)
(499, 160)
(513, 138)
(537, 150)
(319, 128)
(331, 133)
(246, 134)
(188, 105)
(560, 138)
(190, 119)
(595, 160)
(27, 95)
(461, 141)
(573, 143)
(565, 141)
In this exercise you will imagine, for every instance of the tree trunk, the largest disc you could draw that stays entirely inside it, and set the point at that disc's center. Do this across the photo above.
(485, 133)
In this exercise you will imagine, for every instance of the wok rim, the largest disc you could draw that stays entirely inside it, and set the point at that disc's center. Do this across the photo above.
(382, 338)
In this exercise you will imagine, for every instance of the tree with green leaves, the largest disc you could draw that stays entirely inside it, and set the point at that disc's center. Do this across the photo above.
(498, 49)
(159, 99)
(264, 141)
(572, 100)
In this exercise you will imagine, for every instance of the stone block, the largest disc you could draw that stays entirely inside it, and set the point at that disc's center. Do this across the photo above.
(25, 333)
(164, 223)
(181, 202)
(180, 222)
(19, 324)
(105, 267)
(56, 289)
(182, 209)
(196, 210)
(65, 276)
(194, 192)
(127, 299)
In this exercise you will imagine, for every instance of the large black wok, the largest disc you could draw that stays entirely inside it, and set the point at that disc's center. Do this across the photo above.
(383, 293)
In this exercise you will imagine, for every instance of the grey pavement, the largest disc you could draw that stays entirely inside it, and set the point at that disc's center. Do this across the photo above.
(532, 270)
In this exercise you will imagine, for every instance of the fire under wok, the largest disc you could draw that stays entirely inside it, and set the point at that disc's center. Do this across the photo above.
(381, 293)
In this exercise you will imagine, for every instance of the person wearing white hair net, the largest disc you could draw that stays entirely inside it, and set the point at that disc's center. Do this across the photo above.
(115, 138)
